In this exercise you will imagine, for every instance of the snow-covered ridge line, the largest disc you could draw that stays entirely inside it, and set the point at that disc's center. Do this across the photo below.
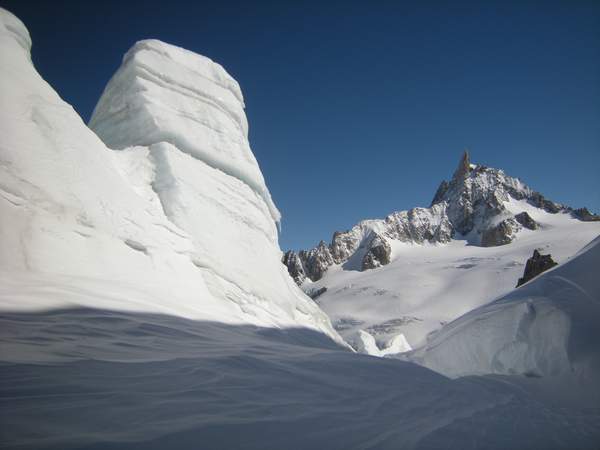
(476, 205)
(17, 30)
(163, 93)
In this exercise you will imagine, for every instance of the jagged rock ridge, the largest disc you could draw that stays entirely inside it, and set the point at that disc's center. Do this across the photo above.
(472, 206)
(536, 265)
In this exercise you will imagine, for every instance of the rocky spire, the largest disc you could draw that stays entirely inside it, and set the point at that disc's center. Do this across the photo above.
(464, 166)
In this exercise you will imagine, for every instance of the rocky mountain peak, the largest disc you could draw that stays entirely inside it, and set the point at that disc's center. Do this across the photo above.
(464, 167)
(473, 205)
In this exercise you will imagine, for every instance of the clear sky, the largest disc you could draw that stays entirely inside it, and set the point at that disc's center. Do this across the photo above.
(358, 109)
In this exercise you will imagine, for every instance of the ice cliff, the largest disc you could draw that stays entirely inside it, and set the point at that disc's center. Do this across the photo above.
(169, 212)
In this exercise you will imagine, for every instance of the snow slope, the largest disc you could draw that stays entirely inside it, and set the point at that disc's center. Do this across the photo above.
(93, 379)
(428, 285)
(168, 227)
(545, 328)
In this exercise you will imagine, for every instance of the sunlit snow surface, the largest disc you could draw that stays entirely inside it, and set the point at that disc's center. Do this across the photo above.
(426, 285)
(130, 319)
(177, 230)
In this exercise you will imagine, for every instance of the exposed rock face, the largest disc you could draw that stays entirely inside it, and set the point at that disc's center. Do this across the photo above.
(379, 253)
(316, 261)
(501, 234)
(294, 266)
(472, 205)
(585, 215)
(537, 264)
(526, 220)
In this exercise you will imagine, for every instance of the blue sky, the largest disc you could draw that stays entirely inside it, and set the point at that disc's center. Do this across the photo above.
(358, 109)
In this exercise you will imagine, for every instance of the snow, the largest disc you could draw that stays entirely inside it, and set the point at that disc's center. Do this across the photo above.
(546, 328)
(161, 228)
(163, 93)
(143, 303)
(97, 379)
(364, 342)
(428, 285)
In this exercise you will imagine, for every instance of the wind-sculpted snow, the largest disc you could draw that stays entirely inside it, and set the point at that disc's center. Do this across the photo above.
(546, 328)
(161, 229)
(163, 93)
(100, 379)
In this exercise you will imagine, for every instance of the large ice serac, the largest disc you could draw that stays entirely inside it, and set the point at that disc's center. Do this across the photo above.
(163, 93)
(177, 221)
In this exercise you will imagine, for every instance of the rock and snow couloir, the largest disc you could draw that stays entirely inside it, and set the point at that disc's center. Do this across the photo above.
(169, 214)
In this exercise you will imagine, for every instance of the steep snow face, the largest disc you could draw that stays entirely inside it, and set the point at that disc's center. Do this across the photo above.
(547, 327)
(154, 228)
(163, 93)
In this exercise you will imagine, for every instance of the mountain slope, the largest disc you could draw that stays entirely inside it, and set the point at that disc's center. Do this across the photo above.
(545, 328)
(405, 276)
(167, 229)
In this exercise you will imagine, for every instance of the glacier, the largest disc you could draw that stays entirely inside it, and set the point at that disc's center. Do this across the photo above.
(405, 276)
(77, 211)
(143, 302)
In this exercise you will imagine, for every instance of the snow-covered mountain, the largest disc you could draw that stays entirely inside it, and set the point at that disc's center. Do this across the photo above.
(169, 214)
(472, 206)
(399, 278)
(143, 303)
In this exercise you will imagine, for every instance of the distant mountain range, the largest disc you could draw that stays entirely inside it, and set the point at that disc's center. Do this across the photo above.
(471, 206)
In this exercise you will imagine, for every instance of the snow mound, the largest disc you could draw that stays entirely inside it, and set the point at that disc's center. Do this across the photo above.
(163, 93)
(548, 327)
(159, 229)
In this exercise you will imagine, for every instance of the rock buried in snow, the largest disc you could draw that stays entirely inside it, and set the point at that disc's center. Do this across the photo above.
(537, 264)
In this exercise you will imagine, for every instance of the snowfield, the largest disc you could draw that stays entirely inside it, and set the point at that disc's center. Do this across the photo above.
(545, 328)
(144, 305)
(428, 285)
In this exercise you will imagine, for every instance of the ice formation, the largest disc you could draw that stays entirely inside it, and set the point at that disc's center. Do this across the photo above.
(178, 218)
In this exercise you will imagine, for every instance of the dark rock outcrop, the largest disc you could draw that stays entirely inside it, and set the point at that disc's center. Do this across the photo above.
(378, 254)
(537, 264)
(501, 234)
(316, 261)
(525, 219)
(585, 215)
(441, 191)
(294, 266)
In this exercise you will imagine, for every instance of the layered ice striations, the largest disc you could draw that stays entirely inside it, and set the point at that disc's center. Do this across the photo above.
(163, 93)
(177, 221)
